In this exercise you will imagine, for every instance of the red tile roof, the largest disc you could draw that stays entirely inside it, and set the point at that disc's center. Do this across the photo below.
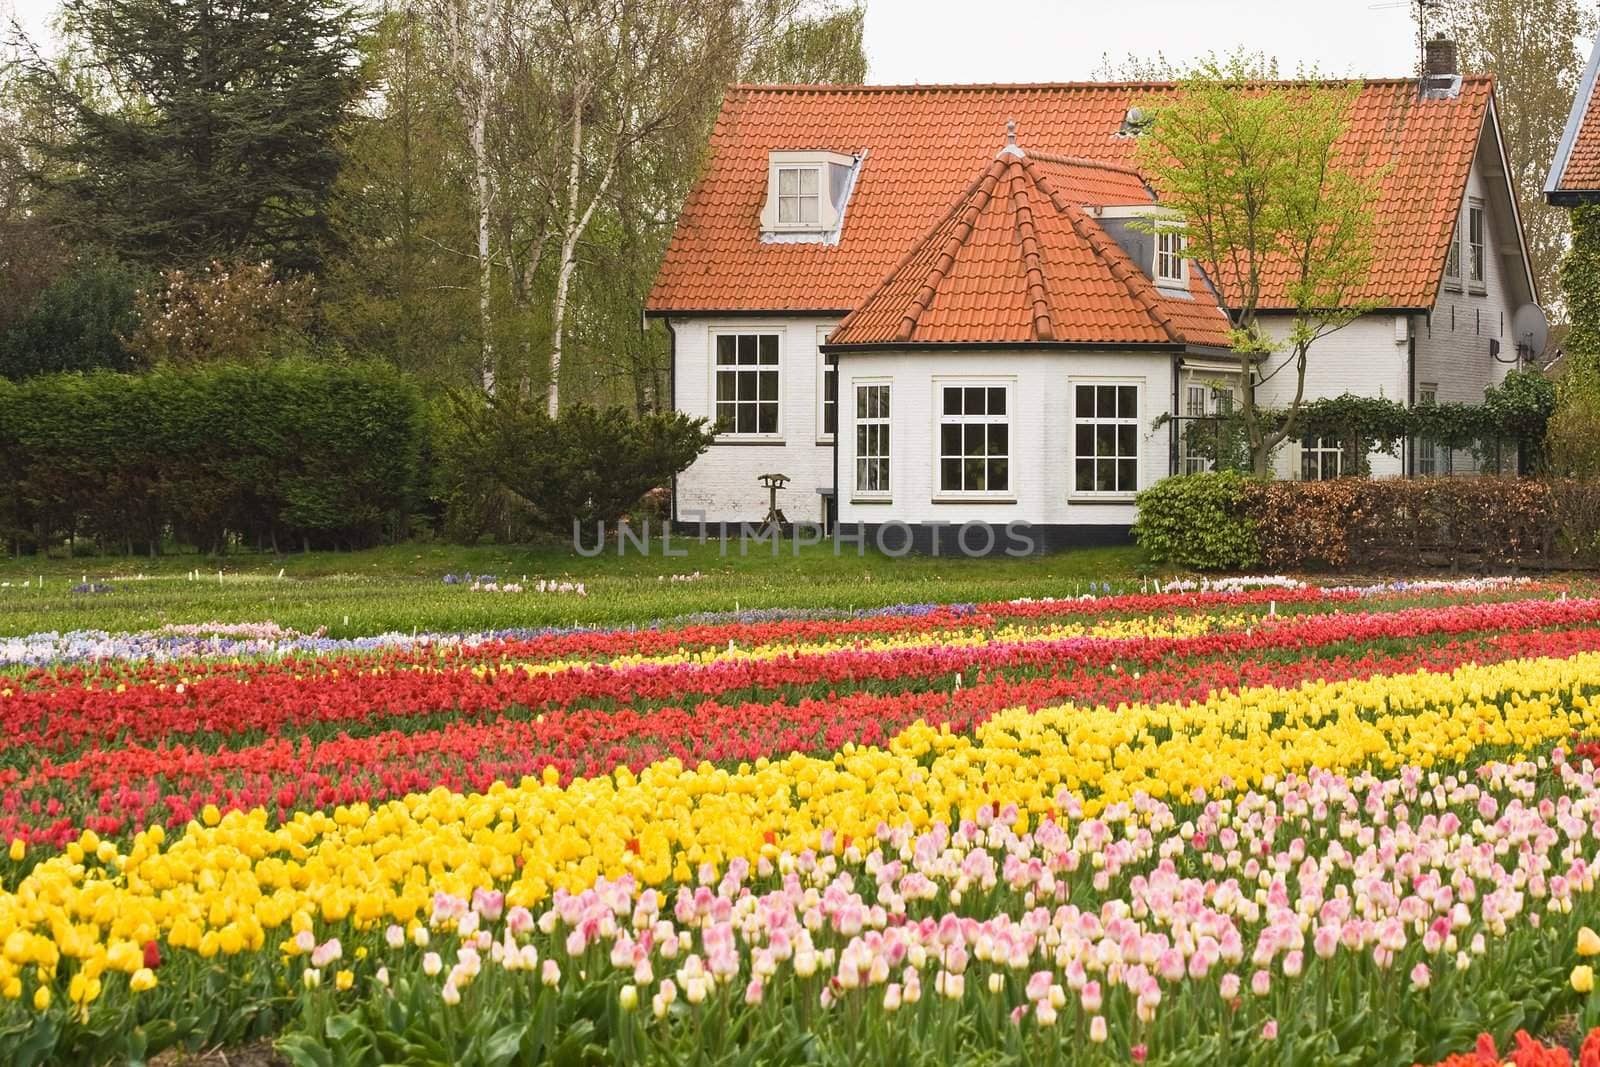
(924, 143)
(1576, 168)
(1016, 260)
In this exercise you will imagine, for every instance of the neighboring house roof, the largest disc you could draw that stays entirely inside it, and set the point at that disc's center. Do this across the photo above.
(1016, 261)
(924, 143)
(1575, 172)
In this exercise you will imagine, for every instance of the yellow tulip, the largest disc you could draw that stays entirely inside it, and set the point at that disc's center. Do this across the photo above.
(1588, 942)
(1582, 978)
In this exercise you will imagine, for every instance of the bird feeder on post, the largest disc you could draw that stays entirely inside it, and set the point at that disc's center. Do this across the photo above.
(772, 483)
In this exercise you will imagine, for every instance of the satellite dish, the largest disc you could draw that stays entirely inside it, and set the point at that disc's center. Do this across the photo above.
(1531, 330)
(1135, 116)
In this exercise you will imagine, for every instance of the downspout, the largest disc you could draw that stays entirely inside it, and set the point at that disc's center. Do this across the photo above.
(1410, 449)
(672, 400)
(1172, 423)
(838, 428)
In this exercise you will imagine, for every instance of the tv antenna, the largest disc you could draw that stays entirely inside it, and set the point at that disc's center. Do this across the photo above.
(1419, 11)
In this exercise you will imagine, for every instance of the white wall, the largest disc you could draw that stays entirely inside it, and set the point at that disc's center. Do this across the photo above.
(1453, 341)
(1363, 358)
(1041, 432)
(721, 485)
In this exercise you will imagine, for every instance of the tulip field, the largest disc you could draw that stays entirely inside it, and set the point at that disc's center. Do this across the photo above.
(1260, 822)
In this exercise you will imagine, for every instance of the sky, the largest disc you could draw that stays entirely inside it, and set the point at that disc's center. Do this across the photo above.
(1063, 40)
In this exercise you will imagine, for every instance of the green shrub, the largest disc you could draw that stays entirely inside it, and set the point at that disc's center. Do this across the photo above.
(1198, 520)
(81, 322)
(584, 466)
(287, 454)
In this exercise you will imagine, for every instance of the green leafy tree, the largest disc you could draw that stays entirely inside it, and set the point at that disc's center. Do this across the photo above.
(1271, 211)
(81, 322)
(199, 131)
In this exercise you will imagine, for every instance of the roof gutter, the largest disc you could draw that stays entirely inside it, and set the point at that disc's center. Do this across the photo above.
(1010, 346)
(742, 313)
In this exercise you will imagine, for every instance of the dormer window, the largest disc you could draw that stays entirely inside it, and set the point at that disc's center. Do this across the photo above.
(1169, 256)
(798, 196)
(806, 195)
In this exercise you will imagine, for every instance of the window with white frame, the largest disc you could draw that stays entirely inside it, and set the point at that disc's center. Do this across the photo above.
(1323, 459)
(1169, 255)
(1194, 407)
(799, 196)
(829, 401)
(872, 439)
(1476, 249)
(1222, 397)
(974, 438)
(1452, 259)
(747, 372)
(1106, 438)
(1427, 450)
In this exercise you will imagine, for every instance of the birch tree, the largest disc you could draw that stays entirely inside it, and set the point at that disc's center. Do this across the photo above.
(620, 72)
(477, 36)
(1273, 213)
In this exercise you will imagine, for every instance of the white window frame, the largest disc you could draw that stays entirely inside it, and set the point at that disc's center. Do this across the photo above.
(734, 436)
(863, 423)
(799, 195)
(1427, 461)
(940, 420)
(820, 164)
(1117, 420)
(1452, 257)
(1477, 250)
(1166, 257)
(825, 369)
(1321, 449)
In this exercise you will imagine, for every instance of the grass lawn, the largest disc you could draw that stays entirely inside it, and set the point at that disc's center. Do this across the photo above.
(401, 588)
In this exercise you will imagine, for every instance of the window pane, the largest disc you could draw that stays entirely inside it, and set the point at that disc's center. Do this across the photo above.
(747, 418)
(747, 348)
(1084, 474)
(1127, 402)
(769, 348)
(972, 439)
(725, 418)
(972, 475)
(725, 386)
(861, 474)
(1126, 444)
(1105, 401)
(1105, 440)
(1085, 401)
(808, 181)
(999, 476)
(999, 433)
(1104, 476)
(950, 475)
(726, 344)
(769, 418)
(861, 403)
(952, 400)
(883, 401)
(950, 440)
(788, 209)
(747, 385)
(997, 400)
(861, 440)
(1085, 434)
(1127, 477)
(808, 209)
(974, 402)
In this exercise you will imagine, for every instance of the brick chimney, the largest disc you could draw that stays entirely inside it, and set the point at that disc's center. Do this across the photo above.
(1439, 58)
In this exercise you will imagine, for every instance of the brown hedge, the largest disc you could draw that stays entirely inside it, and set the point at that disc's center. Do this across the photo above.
(1354, 523)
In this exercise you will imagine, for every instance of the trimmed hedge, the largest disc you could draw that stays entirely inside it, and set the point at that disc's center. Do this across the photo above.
(1206, 520)
(287, 455)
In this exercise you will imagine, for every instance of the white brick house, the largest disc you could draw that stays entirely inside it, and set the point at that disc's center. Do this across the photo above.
(1032, 301)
